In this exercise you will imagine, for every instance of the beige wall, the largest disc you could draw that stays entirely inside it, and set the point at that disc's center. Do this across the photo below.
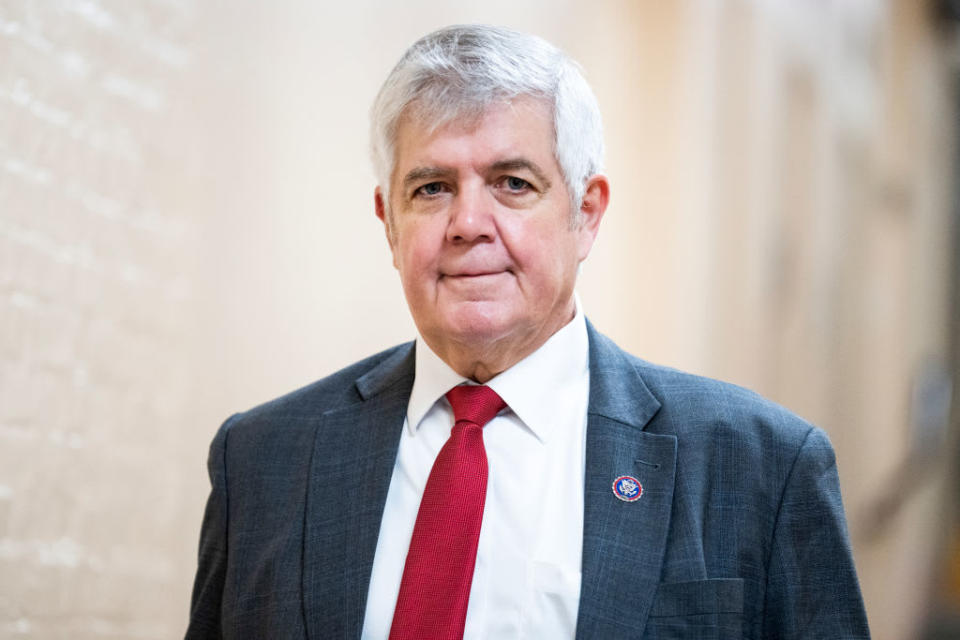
(186, 229)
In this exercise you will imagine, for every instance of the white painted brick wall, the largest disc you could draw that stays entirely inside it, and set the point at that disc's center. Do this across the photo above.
(99, 196)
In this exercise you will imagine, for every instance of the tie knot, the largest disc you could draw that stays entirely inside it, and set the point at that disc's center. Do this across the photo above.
(476, 404)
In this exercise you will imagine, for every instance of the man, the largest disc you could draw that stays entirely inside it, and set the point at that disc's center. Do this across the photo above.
(512, 473)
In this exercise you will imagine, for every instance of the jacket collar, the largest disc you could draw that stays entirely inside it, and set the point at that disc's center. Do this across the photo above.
(617, 391)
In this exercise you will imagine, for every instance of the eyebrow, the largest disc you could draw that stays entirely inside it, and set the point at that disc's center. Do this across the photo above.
(514, 164)
(425, 173)
(420, 174)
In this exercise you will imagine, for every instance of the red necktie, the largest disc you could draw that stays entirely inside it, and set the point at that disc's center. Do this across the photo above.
(436, 580)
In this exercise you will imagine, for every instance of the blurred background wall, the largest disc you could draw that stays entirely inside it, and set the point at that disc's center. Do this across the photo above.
(187, 229)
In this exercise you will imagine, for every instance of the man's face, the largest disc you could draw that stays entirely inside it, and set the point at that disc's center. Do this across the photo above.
(480, 228)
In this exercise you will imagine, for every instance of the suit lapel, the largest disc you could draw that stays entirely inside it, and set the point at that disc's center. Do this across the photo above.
(623, 542)
(354, 453)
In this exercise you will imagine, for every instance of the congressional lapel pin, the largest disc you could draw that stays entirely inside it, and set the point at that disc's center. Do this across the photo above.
(627, 488)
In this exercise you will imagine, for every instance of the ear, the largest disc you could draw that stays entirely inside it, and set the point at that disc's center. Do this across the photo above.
(380, 208)
(596, 196)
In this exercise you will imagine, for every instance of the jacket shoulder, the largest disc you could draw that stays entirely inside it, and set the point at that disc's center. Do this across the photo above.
(336, 390)
(694, 405)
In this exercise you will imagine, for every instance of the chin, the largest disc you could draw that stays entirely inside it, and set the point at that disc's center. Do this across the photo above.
(478, 325)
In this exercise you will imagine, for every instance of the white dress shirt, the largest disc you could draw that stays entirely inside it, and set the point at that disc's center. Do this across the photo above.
(526, 583)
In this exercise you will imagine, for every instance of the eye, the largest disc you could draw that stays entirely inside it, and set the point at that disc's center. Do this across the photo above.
(514, 183)
(430, 189)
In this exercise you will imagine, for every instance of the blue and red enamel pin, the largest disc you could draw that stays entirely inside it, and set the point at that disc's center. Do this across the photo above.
(627, 488)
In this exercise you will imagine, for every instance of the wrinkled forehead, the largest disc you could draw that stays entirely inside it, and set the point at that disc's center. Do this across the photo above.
(429, 116)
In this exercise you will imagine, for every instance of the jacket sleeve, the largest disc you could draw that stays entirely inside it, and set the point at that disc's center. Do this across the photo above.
(812, 588)
(206, 602)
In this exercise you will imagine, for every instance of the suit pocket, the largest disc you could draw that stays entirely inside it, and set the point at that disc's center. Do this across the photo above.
(701, 610)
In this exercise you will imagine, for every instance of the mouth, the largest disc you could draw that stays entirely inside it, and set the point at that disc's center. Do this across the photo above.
(473, 274)
(475, 278)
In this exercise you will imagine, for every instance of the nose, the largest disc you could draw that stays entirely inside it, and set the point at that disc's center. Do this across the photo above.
(472, 215)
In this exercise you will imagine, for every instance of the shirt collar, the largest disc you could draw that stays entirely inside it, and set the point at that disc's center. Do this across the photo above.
(531, 388)
(433, 378)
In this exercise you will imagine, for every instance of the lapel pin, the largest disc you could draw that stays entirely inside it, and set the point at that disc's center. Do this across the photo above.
(627, 488)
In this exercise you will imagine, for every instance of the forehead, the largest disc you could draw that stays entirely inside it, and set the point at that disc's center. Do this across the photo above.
(519, 127)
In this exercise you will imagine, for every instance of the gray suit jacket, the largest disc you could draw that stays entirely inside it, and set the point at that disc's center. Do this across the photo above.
(739, 532)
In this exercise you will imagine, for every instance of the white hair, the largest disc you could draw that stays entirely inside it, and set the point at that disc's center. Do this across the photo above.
(459, 71)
